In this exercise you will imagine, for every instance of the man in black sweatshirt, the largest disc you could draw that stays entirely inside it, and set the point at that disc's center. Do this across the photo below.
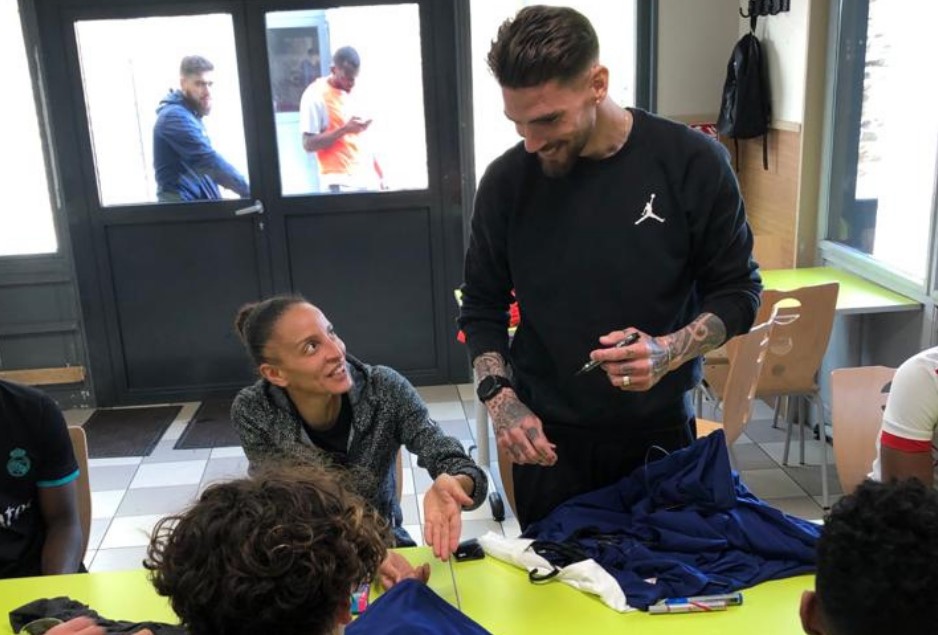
(605, 222)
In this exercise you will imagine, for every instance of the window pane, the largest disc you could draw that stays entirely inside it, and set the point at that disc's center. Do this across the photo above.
(26, 215)
(130, 69)
(888, 215)
(349, 121)
(615, 25)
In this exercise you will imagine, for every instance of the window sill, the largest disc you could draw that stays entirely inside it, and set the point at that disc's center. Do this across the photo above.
(865, 266)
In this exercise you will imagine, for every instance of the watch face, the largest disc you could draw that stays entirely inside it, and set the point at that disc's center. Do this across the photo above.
(491, 386)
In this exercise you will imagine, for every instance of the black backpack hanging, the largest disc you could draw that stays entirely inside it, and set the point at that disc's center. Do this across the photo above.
(746, 109)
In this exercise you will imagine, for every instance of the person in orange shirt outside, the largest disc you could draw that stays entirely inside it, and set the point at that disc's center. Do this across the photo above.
(332, 132)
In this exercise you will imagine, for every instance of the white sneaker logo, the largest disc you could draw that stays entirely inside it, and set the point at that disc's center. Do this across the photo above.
(648, 212)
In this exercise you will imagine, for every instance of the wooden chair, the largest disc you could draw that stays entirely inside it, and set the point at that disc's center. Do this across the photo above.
(858, 397)
(82, 484)
(768, 251)
(799, 340)
(746, 354)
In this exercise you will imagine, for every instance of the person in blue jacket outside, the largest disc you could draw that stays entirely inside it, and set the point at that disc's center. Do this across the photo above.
(187, 166)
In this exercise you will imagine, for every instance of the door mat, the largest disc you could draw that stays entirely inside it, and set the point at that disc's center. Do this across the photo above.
(210, 427)
(121, 432)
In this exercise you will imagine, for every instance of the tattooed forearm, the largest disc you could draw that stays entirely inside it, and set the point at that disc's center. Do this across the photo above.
(704, 334)
(489, 364)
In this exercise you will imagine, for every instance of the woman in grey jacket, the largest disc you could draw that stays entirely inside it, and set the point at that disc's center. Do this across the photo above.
(315, 404)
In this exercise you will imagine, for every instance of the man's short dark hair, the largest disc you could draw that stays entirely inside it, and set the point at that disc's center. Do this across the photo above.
(195, 65)
(346, 56)
(541, 44)
(878, 561)
(276, 553)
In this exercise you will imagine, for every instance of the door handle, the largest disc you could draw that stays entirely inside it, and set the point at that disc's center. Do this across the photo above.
(256, 208)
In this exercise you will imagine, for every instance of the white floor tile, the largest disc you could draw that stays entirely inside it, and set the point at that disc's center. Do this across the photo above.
(236, 452)
(118, 559)
(174, 431)
(476, 528)
(409, 508)
(104, 504)
(407, 475)
(115, 462)
(467, 392)
(111, 477)
(129, 531)
(482, 512)
(446, 410)
(98, 529)
(802, 507)
(773, 483)
(432, 394)
(157, 500)
(166, 474)
(220, 470)
(511, 528)
(416, 532)
(812, 450)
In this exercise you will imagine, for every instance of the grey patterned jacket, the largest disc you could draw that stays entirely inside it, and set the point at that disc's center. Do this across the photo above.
(387, 412)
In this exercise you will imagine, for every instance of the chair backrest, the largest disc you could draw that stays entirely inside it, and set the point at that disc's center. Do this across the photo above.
(747, 354)
(858, 397)
(83, 484)
(799, 340)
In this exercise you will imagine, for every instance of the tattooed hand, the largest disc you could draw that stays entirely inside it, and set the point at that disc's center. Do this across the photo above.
(641, 365)
(519, 431)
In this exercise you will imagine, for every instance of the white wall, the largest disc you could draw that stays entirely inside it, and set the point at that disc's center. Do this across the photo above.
(695, 40)
(784, 40)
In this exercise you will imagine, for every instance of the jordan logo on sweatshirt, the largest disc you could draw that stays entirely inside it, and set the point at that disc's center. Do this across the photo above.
(648, 212)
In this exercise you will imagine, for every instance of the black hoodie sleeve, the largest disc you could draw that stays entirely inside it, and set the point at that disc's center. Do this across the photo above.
(727, 278)
(486, 290)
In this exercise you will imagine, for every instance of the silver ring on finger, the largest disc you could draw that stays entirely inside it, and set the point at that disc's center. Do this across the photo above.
(626, 382)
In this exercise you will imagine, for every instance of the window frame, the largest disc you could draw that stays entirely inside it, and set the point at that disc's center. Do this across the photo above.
(15, 265)
(846, 59)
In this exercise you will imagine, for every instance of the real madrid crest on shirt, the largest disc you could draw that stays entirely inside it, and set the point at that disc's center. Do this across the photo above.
(19, 464)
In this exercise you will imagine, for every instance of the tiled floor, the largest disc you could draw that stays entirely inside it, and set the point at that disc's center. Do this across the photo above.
(129, 495)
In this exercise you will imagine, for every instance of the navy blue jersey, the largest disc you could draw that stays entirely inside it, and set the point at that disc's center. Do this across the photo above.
(35, 452)
(683, 525)
(411, 608)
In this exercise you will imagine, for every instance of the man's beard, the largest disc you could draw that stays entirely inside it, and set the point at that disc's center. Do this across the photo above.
(200, 109)
(561, 165)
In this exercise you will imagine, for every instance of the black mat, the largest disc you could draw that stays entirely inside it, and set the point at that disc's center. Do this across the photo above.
(127, 431)
(210, 427)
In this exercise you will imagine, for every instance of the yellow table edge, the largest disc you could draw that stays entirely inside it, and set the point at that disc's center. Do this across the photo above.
(856, 295)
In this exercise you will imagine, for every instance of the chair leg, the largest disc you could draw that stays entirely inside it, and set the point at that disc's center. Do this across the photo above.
(778, 403)
(825, 494)
(789, 423)
(802, 416)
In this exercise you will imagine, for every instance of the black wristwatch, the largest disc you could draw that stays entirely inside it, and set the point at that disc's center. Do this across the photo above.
(490, 386)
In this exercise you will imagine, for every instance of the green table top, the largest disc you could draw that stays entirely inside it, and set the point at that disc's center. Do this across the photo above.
(128, 595)
(499, 597)
(856, 295)
(496, 595)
